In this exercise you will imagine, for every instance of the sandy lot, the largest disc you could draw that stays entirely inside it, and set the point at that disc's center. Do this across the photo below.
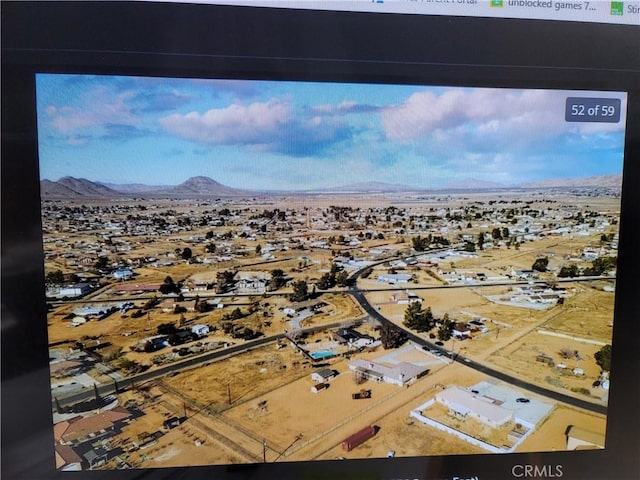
(287, 414)
(550, 436)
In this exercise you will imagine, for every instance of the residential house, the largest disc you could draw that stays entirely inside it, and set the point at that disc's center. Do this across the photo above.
(122, 274)
(582, 439)
(463, 404)
(399, 374)
(200, 330)
(405, 297)
(394, 278)
(251, 286)
(66, 459)
(81, 429)
(323, 375)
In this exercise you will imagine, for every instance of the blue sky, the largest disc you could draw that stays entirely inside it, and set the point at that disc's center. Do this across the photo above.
(293, 135)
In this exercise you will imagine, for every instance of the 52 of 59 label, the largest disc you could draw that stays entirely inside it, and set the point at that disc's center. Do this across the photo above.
(584, 109)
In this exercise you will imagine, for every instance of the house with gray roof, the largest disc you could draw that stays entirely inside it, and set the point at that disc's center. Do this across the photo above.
(399, 374)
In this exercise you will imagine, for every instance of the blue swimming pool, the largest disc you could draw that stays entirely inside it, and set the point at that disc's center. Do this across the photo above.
(322, 354)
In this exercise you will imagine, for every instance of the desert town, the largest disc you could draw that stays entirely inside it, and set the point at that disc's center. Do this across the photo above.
(220, 329)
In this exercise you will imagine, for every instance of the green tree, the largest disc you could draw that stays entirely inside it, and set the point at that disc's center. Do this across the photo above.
(169, 286)
(420, 244)
(446, 328)
(603, 358)
(56, 277)
(469, 247)
(325, 282)
(186, 253)
(416, 318)
(102, 263)
(570, 271)
(166, 329)
(412, 315)
(225, 280)
(540, 265)
(300, 291)
(201, 306)
(601, 265)
(391, 336)
(426, 321)
(277, 279)
(342, 278)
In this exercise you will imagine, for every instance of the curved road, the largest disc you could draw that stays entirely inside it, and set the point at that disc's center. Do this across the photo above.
(364, 303)
(359, 295)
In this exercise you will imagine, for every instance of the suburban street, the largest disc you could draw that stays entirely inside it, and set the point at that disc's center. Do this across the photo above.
(510, 379)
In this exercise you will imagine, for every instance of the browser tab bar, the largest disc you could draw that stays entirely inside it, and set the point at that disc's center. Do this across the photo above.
(595, 11)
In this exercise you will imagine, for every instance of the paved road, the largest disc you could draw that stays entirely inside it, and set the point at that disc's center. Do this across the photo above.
(359, 296)
(510, 379)
(107, 388)
(126, 382)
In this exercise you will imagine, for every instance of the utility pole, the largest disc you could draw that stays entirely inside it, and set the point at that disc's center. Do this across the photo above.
(298, 438)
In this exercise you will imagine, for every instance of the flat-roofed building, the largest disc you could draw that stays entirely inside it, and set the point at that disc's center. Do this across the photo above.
(394, 278)
(581, 439)
(464, 404)
(399, 374)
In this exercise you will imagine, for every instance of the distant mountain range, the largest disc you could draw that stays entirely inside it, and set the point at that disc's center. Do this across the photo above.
(196, 186)
(70, 187)
(370, 187)
(609, 181)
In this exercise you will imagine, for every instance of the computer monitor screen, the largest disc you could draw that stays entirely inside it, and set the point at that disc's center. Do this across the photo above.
(240, 271)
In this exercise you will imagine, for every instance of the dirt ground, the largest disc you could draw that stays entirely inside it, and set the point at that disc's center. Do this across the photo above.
(304, 426)
(520, 358)
(260, 402)
(124, 332)
(285, 415)
(513, 340)
(550, 436)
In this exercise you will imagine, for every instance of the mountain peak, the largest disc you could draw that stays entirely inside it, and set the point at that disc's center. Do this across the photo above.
(71, 187)
(200, 181)
(201, 185)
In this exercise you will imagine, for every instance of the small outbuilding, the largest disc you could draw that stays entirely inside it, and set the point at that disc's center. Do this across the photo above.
(319, 387)
(323, 375)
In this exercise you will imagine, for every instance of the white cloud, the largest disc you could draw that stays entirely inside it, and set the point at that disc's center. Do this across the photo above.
(523, 116)
(99, 109)
(236, 124)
